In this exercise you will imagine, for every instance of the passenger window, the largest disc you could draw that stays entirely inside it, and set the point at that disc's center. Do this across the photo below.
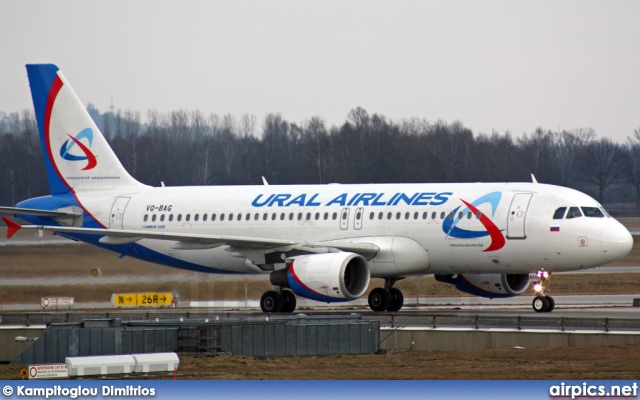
(326, 216)
(451, 215)
(344, 216)
(231, 217)
(274, 216)
(442, 215)
(162, 218)
(239, 217)
(146, 218)
(170, 217)
(406, 215)
(592, 212)
(299, 216)
(265, 216)
(559, 213)
(282, 217)
(398, 215)
(460, 215)
(433, 215)
(380, 215)
(196, 217)
(334, 216)
(389, 215)
(153, 218)
(308, 216)
(248, 217)
(291, 217)
(256, 217)
(574, 212)
(469, 215)
(372, 215)
(478, 215)
(188, 218)
(222, 217)
(204, 218)
(179, 217)
(213, 217)
(425, 215)
(317, 216)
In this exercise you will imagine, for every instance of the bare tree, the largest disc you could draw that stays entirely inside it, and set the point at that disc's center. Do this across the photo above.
(566, 148)
(601, 164)
(631, 163)
(247, 125)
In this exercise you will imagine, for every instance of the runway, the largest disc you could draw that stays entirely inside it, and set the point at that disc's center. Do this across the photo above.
(619, 306)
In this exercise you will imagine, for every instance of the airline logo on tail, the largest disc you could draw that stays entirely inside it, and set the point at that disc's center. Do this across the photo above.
(69, 152)
(490, 229)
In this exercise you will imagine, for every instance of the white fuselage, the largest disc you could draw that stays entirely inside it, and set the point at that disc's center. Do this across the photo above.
(378, 213)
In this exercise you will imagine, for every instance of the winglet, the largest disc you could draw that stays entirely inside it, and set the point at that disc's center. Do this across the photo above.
(12, 227)
(533, 179)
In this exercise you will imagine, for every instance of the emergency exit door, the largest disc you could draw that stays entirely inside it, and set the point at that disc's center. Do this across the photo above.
(516, 222)
(117, 212)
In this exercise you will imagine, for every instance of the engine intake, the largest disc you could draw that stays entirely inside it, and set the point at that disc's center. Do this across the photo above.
(328, 277)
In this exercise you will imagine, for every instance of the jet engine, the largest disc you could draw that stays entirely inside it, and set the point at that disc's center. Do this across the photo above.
(488, 285)
(328, 277)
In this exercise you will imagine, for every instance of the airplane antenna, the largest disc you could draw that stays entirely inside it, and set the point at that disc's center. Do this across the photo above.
(264, 181)
(162, 183)
(533, 179)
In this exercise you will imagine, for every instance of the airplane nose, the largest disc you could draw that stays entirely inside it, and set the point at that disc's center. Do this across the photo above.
(616, 242)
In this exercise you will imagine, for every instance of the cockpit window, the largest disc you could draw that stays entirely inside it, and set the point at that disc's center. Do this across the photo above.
(592, 212)
(574, 212)
(559, 213)
(605, 212)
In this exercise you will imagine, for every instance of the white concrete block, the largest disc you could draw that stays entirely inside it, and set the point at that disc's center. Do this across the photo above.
(100, 365)
(156, 362)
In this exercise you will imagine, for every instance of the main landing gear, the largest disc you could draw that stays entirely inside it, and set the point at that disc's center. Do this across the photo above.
(387, 298)
(542, 302)
(275, 301)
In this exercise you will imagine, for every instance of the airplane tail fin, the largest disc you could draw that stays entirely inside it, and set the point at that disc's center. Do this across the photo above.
(77, 156)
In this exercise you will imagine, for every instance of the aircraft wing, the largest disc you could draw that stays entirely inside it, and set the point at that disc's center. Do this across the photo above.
(39, 213)
(187, 241)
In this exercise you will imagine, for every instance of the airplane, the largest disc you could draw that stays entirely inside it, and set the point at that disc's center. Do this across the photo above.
(320, 242)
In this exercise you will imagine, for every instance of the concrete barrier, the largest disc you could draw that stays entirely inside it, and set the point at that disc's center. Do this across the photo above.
(156, 362)
(100, 365)
(472, 339)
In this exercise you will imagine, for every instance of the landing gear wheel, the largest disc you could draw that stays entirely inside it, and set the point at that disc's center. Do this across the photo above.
(271, 302)
(541, 304)
(552, 303)
(397, 300)
(379, 299)
(289, 304)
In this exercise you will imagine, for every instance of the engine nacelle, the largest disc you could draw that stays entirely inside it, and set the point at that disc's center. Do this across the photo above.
(489, 285)
(325, 277)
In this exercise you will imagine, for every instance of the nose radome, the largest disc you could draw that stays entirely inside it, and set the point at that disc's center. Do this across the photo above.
(616, 242)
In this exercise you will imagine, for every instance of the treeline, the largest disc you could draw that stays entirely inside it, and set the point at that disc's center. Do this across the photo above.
(191, 148)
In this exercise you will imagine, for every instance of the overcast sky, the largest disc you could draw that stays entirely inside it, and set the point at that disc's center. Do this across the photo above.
(494, 65)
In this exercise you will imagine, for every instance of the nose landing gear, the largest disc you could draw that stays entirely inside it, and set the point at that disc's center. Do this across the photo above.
(542, 302)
